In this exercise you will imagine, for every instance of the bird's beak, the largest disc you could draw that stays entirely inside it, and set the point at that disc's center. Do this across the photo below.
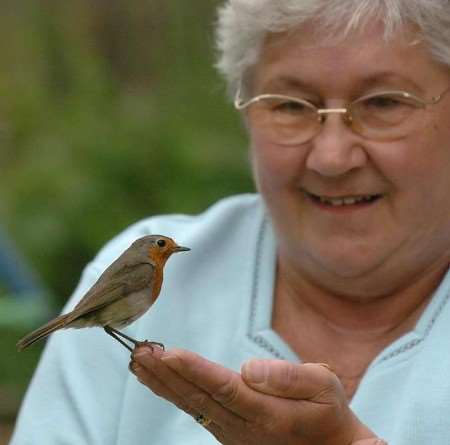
(181, 249)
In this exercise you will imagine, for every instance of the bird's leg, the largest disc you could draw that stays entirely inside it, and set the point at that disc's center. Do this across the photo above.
(117, 334)
(110, 332)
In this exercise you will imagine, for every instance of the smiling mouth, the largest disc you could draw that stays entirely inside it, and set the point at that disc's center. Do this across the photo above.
(343, 201)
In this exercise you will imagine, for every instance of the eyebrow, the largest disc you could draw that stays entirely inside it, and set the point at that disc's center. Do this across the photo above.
(287, 83)
(291, 83)
(387, 77)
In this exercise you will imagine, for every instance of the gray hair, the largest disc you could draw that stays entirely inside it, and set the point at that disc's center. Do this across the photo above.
(243, 24)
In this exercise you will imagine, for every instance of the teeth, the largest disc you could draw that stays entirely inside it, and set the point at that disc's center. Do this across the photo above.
(336, 202)
(350, 200)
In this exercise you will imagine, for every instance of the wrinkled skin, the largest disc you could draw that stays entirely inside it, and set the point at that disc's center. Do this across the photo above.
(289, 404)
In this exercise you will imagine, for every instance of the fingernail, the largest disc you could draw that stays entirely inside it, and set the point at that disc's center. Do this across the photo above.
(172, 361)
(134, 367)
(326, 365)
(141, 352)
(255, 371)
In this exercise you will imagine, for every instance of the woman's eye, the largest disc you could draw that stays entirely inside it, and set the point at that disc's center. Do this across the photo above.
(383, 102)
(290, 106)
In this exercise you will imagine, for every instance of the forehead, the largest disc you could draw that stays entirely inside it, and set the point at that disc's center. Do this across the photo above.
(298, 58)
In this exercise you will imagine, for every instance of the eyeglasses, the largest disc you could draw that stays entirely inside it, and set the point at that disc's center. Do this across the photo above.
(382, 116)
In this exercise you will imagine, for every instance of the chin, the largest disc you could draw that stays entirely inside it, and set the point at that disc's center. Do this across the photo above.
(350, 263)
(342, 259)
(348, 268)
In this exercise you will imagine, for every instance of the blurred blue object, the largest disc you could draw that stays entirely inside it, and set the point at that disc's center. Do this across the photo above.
(15, 274)
(25, 299)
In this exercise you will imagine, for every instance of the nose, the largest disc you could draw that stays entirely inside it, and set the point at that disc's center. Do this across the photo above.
(336, 150)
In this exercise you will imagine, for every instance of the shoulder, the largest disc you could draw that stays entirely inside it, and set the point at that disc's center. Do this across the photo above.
(229, 221)
(234, 209)
(231, 212)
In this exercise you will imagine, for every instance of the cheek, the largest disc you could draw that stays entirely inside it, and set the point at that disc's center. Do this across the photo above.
(419, 169)
(418, 162)
(275, 166)
(430, 160)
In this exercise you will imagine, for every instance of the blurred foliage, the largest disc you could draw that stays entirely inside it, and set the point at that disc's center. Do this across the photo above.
(111, 111)
(15, 372)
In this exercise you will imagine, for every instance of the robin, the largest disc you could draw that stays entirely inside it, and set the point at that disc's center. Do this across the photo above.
(124, 292)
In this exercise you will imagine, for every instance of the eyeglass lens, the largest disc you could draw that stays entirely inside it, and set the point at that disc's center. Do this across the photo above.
(289, 121)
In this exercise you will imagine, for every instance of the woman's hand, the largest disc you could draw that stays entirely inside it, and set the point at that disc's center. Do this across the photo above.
(272, 402)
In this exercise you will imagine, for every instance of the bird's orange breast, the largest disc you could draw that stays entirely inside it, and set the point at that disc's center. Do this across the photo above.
(157, 282)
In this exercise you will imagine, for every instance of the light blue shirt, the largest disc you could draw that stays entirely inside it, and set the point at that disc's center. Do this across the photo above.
(217, 301)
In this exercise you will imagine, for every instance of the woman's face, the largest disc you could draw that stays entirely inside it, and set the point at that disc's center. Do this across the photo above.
(407, 228)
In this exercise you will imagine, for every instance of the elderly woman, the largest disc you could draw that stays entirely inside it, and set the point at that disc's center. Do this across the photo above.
(335, 277)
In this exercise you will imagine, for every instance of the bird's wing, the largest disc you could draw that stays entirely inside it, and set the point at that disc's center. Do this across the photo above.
(114, 284)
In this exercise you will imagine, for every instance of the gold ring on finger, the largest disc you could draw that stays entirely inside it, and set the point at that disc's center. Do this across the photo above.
(203, 420)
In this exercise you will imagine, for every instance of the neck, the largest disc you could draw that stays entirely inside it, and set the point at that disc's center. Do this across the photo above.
(371, 313)
(346, 331)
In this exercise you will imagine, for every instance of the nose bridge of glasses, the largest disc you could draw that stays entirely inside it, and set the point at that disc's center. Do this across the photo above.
(324, 112)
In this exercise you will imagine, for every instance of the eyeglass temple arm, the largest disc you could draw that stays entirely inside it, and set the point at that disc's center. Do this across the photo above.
(238, 102)
(436, 99)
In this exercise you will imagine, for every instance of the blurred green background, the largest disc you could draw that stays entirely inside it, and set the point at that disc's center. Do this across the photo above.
(110, 111)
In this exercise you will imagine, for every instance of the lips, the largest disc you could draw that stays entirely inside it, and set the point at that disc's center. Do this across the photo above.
(340, 201)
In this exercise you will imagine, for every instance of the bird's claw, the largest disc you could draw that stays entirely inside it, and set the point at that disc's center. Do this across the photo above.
(120, 337)
(149, 343)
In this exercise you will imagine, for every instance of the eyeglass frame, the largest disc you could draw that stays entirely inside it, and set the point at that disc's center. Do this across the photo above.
(322, 113)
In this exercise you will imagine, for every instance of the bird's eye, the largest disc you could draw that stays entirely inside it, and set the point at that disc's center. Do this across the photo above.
(161, 243)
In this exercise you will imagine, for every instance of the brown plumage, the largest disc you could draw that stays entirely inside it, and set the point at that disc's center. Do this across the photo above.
(124, 292)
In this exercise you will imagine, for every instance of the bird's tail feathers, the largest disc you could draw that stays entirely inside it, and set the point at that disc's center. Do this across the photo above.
(43, 331)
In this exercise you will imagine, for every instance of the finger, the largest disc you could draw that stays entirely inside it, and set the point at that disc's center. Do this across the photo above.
(167, 383)
(149, 379)
(223, 385)
(284, 379)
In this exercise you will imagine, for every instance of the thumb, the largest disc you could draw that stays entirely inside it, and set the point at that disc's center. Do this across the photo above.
(285, 379)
